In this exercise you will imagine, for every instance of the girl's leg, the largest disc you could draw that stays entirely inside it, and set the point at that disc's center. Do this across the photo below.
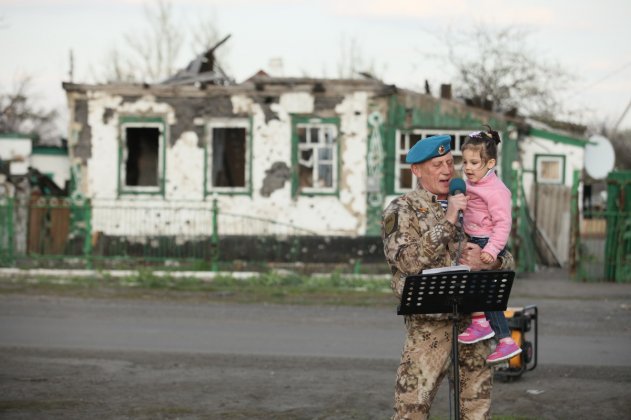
(498, 322)
(506, 348)
(478, 330)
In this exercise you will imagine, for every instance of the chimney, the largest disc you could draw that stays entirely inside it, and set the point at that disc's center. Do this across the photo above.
(275, 67)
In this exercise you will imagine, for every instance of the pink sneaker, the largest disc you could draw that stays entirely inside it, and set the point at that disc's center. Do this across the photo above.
(503, 351)
(474, 333)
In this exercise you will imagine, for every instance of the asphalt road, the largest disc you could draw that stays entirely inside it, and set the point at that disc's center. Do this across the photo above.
(64, 357)
(572, 331)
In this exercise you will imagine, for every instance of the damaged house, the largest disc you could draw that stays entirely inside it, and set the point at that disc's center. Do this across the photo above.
(274, 169)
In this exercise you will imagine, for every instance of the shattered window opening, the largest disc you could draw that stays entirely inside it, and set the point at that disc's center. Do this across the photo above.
(141, 165)
(404, 180)
(317, 157)
(228, 155)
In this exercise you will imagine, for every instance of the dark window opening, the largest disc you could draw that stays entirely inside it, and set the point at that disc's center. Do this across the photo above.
(143, 153)
(228, 165)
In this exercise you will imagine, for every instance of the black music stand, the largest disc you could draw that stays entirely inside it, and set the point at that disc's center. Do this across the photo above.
(456, 292)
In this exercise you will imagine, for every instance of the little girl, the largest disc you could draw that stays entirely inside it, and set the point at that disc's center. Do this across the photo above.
(487, 221)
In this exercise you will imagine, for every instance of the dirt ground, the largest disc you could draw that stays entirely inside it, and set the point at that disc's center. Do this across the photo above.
(62, 384)
(39, 382)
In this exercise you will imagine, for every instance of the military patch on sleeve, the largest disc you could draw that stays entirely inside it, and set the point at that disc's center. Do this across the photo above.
(390, 223)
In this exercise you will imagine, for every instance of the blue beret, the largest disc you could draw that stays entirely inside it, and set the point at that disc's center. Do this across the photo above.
(429, 148)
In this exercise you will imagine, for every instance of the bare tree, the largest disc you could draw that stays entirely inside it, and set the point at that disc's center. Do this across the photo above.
(119, 68)
(496, 66)
(352, 63)
(621, 142)
(153, 55)
(20, 115)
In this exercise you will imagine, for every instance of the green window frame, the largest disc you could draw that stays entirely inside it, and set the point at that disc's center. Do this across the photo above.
(228, 170)
(549, 169)
(142, 155)
(404, 139)
(315, 156)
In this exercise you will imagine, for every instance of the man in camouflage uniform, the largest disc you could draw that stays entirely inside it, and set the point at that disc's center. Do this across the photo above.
(419, 232)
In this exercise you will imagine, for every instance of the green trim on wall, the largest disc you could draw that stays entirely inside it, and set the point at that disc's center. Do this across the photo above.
(375, 195)
(250, 154)
(15, 136)
(205, 142)
(51, 151)
(558, 138)
(509, 154)
(400, 117)
(306, 119)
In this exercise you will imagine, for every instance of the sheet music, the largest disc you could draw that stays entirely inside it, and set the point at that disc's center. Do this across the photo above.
(452, 268)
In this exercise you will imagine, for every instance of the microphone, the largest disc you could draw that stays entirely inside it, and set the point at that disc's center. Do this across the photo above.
(457, 186)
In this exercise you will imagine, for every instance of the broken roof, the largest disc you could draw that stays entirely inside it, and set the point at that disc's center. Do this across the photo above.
(203, 69)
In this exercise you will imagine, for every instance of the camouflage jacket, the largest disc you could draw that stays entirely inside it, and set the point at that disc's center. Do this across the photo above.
(416, 236)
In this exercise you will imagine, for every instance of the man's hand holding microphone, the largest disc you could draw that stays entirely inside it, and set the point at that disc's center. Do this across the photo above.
(456, 201)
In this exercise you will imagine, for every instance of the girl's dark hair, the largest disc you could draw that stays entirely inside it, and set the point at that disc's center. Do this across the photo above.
(483, 141)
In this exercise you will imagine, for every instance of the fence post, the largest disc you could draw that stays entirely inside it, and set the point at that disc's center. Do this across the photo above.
(576, 271)
(514, 233)
(87, 241)
(617, 245)
(215, 239)
(11, 233)
(6, 225)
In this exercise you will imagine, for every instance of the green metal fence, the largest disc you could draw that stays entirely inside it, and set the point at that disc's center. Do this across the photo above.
(61, 232)
(521, 241)
(602, 242)
(6, 231)
(53, 232)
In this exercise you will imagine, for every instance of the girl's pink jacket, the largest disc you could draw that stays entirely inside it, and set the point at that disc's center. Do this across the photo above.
(488, 212)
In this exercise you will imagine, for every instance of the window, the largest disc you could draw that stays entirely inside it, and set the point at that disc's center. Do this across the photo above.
(404, 180)
(142, 157)
(550, 169)
(227, 156)
(316, 151)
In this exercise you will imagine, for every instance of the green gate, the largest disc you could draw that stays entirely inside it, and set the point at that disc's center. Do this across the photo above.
(602, 239)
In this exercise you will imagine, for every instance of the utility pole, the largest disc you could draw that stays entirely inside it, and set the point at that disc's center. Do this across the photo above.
(71, 67)
(615, 127)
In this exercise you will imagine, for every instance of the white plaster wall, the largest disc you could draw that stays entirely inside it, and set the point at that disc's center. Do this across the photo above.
(532, 146)
(102, 167)
(297, 102)
(185, 212)
(354, 113)
(151, 217)
(58, 165)
(18, 150)
(185, 169)
(271, 142)
(100, 175)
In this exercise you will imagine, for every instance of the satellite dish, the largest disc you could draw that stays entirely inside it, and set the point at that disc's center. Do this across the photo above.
(599, 157)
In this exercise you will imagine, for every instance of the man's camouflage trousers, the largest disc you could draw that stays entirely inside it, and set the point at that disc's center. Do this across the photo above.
(425, 361)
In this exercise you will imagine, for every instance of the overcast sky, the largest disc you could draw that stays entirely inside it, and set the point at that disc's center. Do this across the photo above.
(589, 38)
